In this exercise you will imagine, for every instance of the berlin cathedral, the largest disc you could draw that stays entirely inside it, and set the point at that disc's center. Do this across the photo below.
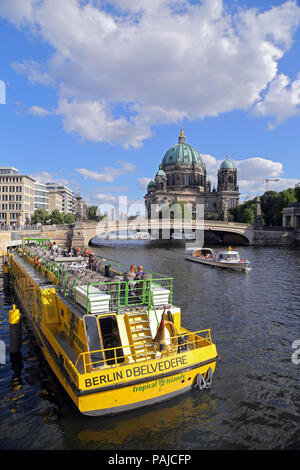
(182, 178)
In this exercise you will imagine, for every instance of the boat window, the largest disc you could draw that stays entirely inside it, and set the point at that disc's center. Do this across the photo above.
(93, 341)
(111, 339)
(229, 256)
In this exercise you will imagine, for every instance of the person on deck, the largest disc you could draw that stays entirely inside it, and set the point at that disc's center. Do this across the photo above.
(140, 272)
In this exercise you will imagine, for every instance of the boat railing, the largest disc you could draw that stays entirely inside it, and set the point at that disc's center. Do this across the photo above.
(111, 292)
(112, 357)
(115, 295)
(114, 267)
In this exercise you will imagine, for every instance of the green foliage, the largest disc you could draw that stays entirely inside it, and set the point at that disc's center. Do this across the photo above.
(211, 216)
(272, 204)
(297, 192)
(177, 210)
(69, 218)
(244, 213)
(56, 217)
(94, 213)
(40, 216)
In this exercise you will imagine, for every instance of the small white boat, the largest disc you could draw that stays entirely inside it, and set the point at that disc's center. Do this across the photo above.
(183, 236)
(143, 236)
(223, 259)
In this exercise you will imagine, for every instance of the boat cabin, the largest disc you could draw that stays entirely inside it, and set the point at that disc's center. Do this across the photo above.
(206, 253)
(228, 255)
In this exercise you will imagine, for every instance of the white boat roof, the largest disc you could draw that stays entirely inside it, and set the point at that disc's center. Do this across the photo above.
(199, 248)
(228, 252)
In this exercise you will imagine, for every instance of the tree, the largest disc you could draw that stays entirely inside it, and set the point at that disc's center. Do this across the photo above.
(94, 213)
(177, 210)
(211, 216)
(272, 204)
(69, 218)
(248, 215)
(244, 213)
(297, 192)
(56, 217)
(40, 216)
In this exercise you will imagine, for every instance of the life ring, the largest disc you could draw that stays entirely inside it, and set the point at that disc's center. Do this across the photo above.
(171, 341)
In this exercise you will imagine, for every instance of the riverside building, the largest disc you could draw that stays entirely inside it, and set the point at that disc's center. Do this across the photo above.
(68, 197)
(41, 196)
(21, 195)
(17, 196)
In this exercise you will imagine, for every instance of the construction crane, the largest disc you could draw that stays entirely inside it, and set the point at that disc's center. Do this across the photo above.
(268, 180)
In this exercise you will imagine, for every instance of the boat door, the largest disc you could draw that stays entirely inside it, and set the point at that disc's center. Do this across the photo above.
(94, 342)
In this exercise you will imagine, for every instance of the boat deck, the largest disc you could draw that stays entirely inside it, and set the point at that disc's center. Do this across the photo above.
(42, 281)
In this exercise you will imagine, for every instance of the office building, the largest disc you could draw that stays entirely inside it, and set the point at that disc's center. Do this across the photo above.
(17, 196)
(41, 196)
(68, 197)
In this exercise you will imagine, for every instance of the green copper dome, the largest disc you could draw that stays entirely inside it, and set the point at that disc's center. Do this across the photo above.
(151, 183)
(227, 164)
(182, 153)
(161, 173)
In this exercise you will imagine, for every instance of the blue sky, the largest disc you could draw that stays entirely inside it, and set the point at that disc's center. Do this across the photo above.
(96, 90)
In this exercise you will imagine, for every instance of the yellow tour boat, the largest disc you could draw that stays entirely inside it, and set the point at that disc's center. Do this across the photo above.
(114, 343)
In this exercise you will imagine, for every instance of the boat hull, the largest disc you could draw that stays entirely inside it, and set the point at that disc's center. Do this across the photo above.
(146, 393)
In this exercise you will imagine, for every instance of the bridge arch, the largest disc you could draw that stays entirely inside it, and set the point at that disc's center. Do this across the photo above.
(217, 232)
(225, 237)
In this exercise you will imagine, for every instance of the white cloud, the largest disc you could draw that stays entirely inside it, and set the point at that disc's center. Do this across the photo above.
(258, 167)
(108, 174)
(93, 121)
(46, 177)
(106, 198)
(281, 101)
(33, 71)
(252, 175)
(143, 182)
(156, 62)
(39, 111)
(42, 177)
(253, 172)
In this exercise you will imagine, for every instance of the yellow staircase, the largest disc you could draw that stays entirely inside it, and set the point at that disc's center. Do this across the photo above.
(141, 338)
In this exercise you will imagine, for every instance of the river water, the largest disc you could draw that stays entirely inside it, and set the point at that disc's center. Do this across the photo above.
(254, 402)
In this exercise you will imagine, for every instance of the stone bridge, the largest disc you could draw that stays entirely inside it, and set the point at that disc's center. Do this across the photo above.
(164, 229)
(80, 234)
(207, 231)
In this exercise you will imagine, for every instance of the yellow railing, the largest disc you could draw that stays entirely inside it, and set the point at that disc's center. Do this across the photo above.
(193, 342)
